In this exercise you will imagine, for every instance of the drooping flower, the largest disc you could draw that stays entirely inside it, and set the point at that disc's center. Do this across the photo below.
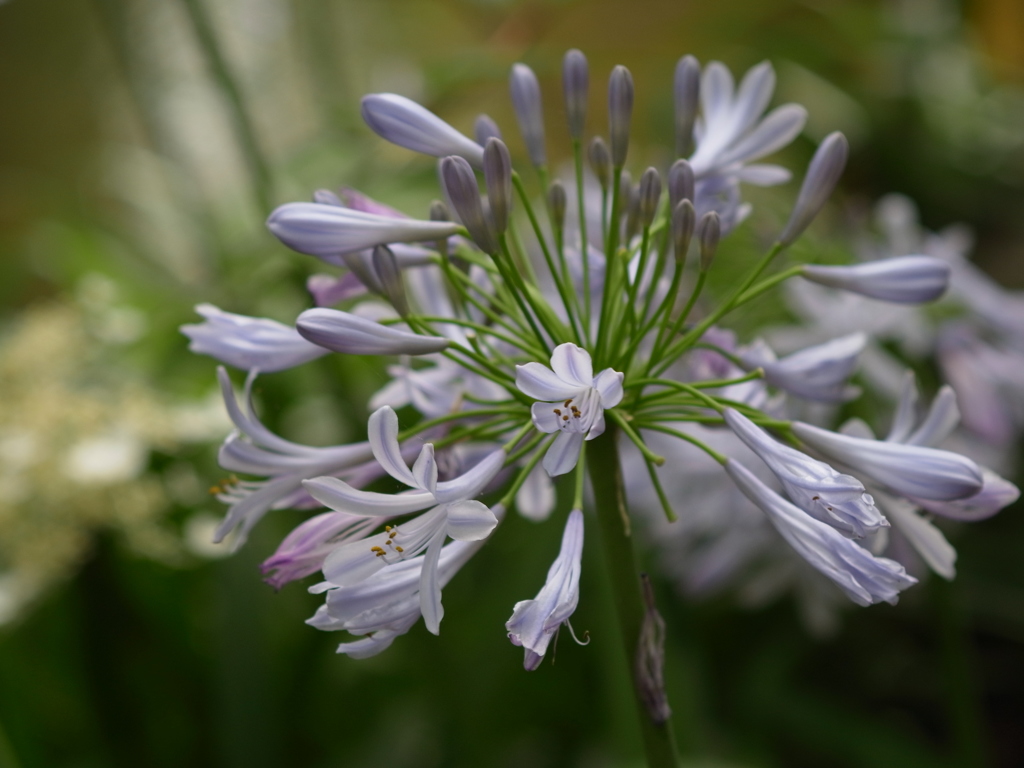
(573, 402)
(534, 622)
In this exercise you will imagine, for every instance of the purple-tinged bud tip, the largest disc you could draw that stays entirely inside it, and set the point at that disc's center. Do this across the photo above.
(527, 105)
(620, 113)
(687, 96)
(600, 161)
(650, 196)
(681, 183)
(575, 82)
(822, 175)
(708, 231)
(498, 175)
(684, 221)
(485, 128)
(461, 187)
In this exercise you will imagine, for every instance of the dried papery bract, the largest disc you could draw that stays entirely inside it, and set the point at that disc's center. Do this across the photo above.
(525, 92)
(620, 113)
(822, 174)
(575, 82)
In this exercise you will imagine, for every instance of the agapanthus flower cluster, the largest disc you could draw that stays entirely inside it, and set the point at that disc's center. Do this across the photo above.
(521, 335)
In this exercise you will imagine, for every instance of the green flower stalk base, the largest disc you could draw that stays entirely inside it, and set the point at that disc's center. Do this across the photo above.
(613, 518)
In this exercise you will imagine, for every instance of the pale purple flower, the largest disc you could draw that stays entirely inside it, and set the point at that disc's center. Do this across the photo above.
(328, 231)
(816, 373)
(903, 279)
(255, 450)
(835, 499)
(354, 335)
(573, 402)
(302, 552)
(864, 578)
(822, 176)
(386, 604)
(526, 103)
(452, 511)
(249, 342)
(534, 622)
(731, 131)
(407, 124)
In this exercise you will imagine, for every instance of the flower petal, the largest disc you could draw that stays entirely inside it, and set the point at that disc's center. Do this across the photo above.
(340, 496)
(430, 587)
(541, 383)
(470, 520)
(473, 482)
(608, 384)
(572, 365)
(563, 453)
(350, 334)
(382, 432)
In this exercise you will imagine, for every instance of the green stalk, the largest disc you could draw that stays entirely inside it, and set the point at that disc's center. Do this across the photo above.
(206, 36)
(609, 493)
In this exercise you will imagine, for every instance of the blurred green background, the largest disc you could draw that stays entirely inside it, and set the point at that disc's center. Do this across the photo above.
(142, 146)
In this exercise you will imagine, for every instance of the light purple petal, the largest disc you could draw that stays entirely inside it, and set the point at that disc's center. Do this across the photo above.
(902, 280)
(608, 384)
(430, 588)
(541, 383)
(408, 124)
(339, 495)
(572, 365)
(350, 334)
(382, 432)
(469, 520)
(563, 453)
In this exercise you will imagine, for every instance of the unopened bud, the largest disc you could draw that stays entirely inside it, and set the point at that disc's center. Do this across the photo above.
(362, 267)
(390, 275)
(684, 220)
(633, 213)
(709, 231)
(485, 128)
(681, 183)
(526, 103)
(650, 196)
(575, 81)
(822, 174)
(439, 211)
(625, 189)
(498, 175)
(687, 96)
(461, 187)
(620, 113)
(600, 161)
(557, 203)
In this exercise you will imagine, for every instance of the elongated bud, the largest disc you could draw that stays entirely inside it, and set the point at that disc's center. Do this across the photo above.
(575, 81)
(625, 189)
(526, 102)
(680, 183)
(390, 275)
(632, 212)
(684, 221)
(361, 268)
(620, 113)
(462, 190)
(650, 196)
(485, 128)
(822, 174)
(687, 96)
(600, 161)
(709, 231)
(557, 202)
(407, 124)
(498, 175)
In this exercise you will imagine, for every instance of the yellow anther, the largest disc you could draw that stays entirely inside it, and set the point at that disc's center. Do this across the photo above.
(216, 490)
(566, 403)
(387, 527)
(377, 549)
(399, 549)
(565, 418)
(392, 534)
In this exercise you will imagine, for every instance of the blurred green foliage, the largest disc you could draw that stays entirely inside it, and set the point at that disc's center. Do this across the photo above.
(144, 142)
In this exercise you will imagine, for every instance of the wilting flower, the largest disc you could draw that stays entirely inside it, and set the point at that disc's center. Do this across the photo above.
(534, 622)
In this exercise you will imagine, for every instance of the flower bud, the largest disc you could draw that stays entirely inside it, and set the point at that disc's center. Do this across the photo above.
(600, 161)
(575, 81)
(680, 183)
(650, 196)
(485, 128)
(822, 174)
(407, 124)
(498, 175)
(557, 202)
(462, 190)
(625, 189)
(526, 102)
(620, 112)
(439, 211)
(687, 96)
(902, 280)
(390, 276)
(684, 221)
(709, 231)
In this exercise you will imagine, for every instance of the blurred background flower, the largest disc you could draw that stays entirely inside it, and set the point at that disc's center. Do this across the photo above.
(142, 147)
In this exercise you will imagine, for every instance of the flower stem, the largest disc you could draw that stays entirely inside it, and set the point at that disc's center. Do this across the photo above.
(613, 520)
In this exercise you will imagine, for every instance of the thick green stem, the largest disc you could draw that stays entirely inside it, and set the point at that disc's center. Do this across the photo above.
(613, 520)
